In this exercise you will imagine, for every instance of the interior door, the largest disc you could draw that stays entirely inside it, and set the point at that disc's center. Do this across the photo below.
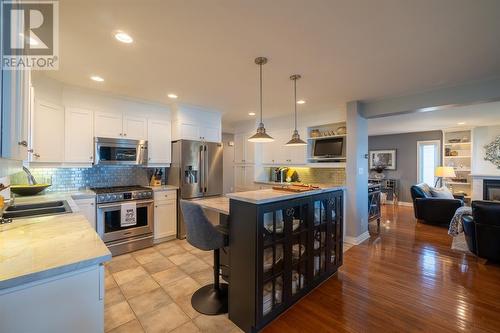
(192, 169)
(213, 169)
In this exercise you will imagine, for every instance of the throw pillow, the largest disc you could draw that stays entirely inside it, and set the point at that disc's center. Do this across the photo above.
(441, 193)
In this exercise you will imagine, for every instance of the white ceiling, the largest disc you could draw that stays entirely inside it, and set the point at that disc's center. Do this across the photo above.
(345, 50)
(485, 114)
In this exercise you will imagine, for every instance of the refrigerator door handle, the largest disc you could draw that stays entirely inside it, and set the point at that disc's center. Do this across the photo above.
(201, 167)
(206, 168)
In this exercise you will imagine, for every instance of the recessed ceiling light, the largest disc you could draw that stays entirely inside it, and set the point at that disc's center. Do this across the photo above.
(461, 123)
(251, 113)
(172, 96)
(123, 37)
(96, 78)
(301, 101)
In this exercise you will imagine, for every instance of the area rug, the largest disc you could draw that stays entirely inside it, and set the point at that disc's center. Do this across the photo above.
(460, 244)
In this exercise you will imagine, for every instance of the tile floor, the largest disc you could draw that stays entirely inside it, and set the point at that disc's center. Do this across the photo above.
(150, 291)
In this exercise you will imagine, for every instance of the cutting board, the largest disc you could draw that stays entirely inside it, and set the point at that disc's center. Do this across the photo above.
(295, 188)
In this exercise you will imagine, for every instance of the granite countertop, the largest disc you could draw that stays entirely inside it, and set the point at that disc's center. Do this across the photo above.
(218, 204)
(270, 195)
(40, 247)
(163, 188)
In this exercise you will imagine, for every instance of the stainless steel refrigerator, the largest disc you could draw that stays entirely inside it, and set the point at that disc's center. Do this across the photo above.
(196, 169)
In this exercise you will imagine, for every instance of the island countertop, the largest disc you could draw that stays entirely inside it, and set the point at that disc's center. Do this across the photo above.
(271, 195)
(40, 247)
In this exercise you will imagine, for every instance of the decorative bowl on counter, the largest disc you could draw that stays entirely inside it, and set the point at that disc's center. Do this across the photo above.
(24, 190)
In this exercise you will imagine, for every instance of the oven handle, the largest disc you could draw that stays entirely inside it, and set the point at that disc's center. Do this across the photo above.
(115, 204)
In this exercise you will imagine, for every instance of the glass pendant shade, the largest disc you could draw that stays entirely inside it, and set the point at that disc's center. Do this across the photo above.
(296, 140)
(260, 135)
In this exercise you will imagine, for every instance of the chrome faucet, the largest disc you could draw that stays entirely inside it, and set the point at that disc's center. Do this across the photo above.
(31, 179)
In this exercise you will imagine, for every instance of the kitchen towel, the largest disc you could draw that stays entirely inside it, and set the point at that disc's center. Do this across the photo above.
(128, 214)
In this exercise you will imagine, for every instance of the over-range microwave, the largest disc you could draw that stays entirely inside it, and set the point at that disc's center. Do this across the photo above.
(329, 149)
(110, 151)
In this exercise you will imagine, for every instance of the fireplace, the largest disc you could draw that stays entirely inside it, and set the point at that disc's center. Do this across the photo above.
(491, 189)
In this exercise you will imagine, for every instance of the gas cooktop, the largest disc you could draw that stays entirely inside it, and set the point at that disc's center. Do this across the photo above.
(122, 193)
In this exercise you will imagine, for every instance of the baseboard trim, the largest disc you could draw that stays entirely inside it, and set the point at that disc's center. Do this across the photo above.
(400, 203)
(357, 240)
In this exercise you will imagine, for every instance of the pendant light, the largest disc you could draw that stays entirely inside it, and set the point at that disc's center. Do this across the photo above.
(296, 140)
(261, 135)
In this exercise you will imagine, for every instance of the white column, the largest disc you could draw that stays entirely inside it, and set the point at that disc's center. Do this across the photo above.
(356, 222)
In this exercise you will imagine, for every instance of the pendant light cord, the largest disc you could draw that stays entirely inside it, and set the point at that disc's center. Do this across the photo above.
(295, 100)
(260, 87)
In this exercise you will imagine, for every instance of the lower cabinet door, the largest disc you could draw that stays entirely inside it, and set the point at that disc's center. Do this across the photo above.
(165, 217)
(87, 208)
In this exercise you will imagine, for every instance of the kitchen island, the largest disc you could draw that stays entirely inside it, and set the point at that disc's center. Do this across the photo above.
(51, 267)
(281, 246)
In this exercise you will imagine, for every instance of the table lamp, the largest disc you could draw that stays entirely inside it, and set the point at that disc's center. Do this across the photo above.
(444, 172)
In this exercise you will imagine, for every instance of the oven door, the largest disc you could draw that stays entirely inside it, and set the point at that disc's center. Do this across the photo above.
(120, 151)
(109, 217)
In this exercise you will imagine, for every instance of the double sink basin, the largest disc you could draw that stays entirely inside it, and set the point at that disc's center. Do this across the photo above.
(37, 209)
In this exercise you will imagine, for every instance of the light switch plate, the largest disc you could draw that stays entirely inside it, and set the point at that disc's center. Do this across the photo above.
(361, 171)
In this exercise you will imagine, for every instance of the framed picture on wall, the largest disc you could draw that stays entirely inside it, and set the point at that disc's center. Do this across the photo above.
(384, 158)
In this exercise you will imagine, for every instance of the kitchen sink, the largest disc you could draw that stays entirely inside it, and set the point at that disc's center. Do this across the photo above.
(37, 209)
(50, 204)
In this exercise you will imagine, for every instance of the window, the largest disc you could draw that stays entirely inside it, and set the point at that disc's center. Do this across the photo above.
(428, 159)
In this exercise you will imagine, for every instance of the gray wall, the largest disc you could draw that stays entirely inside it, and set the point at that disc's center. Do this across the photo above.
(406, 156)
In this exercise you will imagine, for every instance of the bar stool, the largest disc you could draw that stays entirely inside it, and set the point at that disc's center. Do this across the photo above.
(211, 299)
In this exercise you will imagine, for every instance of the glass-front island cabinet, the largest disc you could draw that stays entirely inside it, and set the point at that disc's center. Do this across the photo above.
(282, 245)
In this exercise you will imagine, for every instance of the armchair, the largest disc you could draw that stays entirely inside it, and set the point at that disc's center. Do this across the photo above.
(430, 209)
(482, 229)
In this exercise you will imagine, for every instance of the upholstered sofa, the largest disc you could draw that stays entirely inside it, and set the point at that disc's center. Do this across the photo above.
(482, 229)
(430, 209)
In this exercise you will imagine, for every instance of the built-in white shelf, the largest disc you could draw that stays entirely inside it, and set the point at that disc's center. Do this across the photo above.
(458, 156)
(457, 183)
(457, 144)
(327, 137)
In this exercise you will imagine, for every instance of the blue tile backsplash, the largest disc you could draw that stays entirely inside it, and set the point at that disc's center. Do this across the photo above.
(70, 179)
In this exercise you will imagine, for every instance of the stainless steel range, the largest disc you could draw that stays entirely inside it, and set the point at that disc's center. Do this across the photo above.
(123, 237)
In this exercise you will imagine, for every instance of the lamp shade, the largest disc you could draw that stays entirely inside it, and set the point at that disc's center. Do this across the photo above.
(445, 172)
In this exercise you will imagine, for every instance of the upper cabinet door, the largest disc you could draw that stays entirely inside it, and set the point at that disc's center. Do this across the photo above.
(210, 134)
(159, 142)
(108, 125)
(135, 128)
(79, 136)
(189, 132)
(239, 148)
(48, 133)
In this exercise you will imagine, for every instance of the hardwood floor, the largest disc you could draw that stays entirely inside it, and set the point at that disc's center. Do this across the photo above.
(404, 279)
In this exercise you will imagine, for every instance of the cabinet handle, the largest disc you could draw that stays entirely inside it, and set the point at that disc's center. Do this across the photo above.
(91, 203)
(91, 157)
(156, 206)
(124, 134)
(23, 143)
(149, 158)
(120, 134)
(30, 150)
(36, 155)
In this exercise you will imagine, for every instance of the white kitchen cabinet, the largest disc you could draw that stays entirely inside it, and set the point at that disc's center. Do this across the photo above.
(159, 142)
(79, 134)
(244, 178)
(108, 125)
(135, 128)
(88, 209)
(68, 302)
(211, 134)
(191, 123)
(120, 126)
(47, 141)
(165, 214)
(244, 150)
(277, 153)
(16, 105)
